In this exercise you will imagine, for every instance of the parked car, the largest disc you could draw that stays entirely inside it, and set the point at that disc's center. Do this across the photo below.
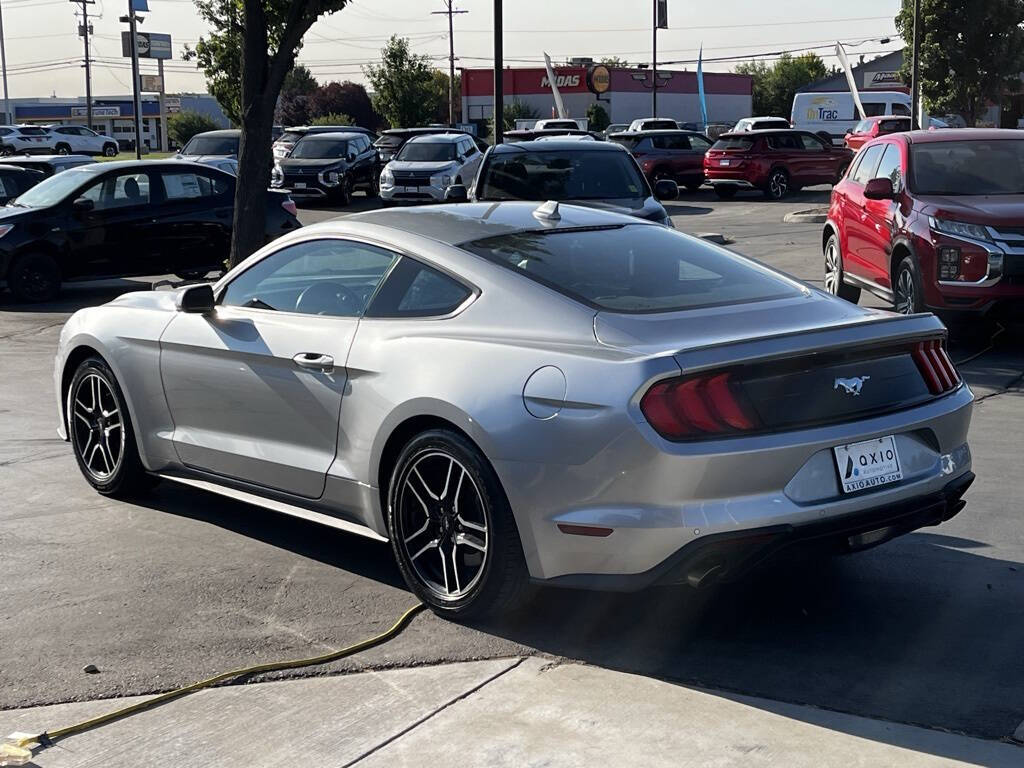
(775, 162)
(530, 134)
(831, 115)
(120, 219)
(931, 220)
(283, 145)
(24, 139)
(615, 128)
(212, 145)
(226, 164)
(760, 124)
(15, 180)
(600, 174)
(328, 166)
(559, 122)
(426, 166)
(79, 140)
(48, 165)
(583, 400)
(675, 155)
(567, 137)
(872, 127)
(653, 124)
(391, 140)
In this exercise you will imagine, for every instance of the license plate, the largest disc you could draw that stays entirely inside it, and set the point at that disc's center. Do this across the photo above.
(411, 189)
(300, 185)
(723, 162)
(868, 464)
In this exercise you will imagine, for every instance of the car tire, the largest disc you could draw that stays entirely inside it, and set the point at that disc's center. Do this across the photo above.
(778, 184)
(34, 277)
(725, 191)
(110, 150)
(345, 192)
(6, 151)
(908, 297)
(437, 472)
(63, 149)
(100, 430)
(373, 189)
(834, 273)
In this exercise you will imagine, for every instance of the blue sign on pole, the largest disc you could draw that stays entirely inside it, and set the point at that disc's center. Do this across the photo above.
(140, 5)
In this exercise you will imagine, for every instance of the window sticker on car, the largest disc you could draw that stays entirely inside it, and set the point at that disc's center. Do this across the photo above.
(633, 189)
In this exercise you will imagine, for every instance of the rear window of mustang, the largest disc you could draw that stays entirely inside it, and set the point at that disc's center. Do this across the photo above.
(633, 268)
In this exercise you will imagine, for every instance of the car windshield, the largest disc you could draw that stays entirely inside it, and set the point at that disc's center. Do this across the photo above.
(968, 167)
(734, 142)
(633, 268)
(426, 152)
(211, 145)
(390, 141)
(291, 137)
(320, 149)
(53, 189)
(581, 174)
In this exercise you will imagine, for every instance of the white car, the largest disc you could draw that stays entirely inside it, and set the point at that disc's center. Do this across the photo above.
(24, 139)
(560, 122)
(426, 166)
(653, 124)
(79, 140)
(760, 124)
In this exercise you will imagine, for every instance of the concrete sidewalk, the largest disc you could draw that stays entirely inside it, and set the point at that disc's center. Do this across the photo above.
(504, 712)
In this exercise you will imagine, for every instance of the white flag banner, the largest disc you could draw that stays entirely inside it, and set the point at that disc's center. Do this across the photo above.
(554, 86)
(841, 55)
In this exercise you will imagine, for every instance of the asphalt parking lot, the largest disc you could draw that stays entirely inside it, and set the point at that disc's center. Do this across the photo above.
(924, 630)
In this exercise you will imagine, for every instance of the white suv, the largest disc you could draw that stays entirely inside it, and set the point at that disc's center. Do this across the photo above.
(24, 139)
(79, 140)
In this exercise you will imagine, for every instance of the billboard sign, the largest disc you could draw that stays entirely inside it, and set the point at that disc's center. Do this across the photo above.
(886, 79)
(96, 112)
(152, 45)
(151, 83)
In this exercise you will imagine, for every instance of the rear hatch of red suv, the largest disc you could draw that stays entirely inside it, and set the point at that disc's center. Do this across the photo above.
(729, 157)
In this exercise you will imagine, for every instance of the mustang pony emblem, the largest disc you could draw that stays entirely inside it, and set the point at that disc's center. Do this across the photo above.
(852, 385)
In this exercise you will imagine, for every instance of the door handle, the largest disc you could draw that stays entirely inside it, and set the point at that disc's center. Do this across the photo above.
(314, 361)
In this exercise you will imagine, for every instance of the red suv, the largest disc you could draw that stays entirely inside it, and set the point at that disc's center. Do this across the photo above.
(775, 161)
(931, 220)
(873, 127)
(675, 155)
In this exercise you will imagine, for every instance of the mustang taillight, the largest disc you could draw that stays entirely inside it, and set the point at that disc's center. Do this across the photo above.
(936, 368)
(697, 406)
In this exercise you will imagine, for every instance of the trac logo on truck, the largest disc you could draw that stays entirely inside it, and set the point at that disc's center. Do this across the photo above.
(823, 108)
(562, 81)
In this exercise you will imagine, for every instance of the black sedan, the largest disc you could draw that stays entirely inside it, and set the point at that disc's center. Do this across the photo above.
(15, 180)
(121, 219)
(593, 173)
(328, 166)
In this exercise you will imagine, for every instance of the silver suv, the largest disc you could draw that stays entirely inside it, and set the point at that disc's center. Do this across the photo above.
(426, 166)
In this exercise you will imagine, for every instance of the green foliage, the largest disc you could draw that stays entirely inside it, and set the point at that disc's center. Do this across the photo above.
(405, 88)
(334, 118)
(345, 98)
(299, 81)
(972, 51)
(184, 125)
(517, 110)
(775, 86)
(598, 117)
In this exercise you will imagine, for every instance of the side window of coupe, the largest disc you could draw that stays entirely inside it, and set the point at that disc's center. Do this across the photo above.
(123, 191)
(319, 277)
(416, 290)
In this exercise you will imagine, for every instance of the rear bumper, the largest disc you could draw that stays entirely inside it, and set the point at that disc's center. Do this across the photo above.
(741, 183)
(728, 556)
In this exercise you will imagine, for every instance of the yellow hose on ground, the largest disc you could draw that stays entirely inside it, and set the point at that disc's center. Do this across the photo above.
(47, 738)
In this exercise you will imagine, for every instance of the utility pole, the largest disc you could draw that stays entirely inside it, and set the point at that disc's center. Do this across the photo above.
(451, 59)
(499, 85)
(136, 94)
(654, 62)
(163, 105)
(84, 32)
(915, 70)
(8, 117)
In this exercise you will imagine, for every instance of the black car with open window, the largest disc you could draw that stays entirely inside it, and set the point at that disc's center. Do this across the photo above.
(121, 219)
(328, 166)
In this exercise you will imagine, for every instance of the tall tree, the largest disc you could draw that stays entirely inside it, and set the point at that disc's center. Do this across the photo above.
(255, 41)
(775, 85)
(972, 51)
(405, 92)
(293, 104)
(345, 98)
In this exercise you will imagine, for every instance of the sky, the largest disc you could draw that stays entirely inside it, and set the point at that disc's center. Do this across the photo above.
(44, 52)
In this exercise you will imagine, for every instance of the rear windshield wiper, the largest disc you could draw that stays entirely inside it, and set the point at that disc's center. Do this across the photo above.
(257, 303)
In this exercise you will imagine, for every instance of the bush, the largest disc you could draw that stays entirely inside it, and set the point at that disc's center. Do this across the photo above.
(184, 125)
(333, 119)
(517, 110)
(598, 117)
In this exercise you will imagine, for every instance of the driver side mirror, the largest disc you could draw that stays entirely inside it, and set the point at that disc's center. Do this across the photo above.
(83, 205)
(879, 189)
(665, 189)
(351, 156)
(456, 193)
(196, 299)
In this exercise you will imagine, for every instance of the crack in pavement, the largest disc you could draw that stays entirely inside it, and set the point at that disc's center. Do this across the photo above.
(1012, 386)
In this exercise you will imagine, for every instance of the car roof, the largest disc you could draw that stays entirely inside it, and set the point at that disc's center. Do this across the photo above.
(438, 138)
(221, 132)
(118, 165)
(554, 146)
(332, 136)
(661, 132)
(962, 134)
(16, 168)
(52, 158)
(464, 222)
(759, 132)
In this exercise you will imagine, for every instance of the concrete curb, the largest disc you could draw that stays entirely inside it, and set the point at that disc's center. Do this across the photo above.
(809, 216)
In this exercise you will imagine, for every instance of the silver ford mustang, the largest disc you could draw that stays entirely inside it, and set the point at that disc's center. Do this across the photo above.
(513, 393)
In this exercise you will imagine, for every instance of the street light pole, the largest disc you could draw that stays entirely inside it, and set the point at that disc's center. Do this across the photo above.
(654, 61)
(499, 85)
(915, 70)
(8, 118)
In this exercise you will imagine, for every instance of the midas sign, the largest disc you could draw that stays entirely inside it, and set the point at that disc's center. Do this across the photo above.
(562, 81)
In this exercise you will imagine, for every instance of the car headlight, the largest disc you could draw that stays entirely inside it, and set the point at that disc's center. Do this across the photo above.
(441, 180)
(330, 178)
(959, 228)
(276, 176)
(387, 178)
